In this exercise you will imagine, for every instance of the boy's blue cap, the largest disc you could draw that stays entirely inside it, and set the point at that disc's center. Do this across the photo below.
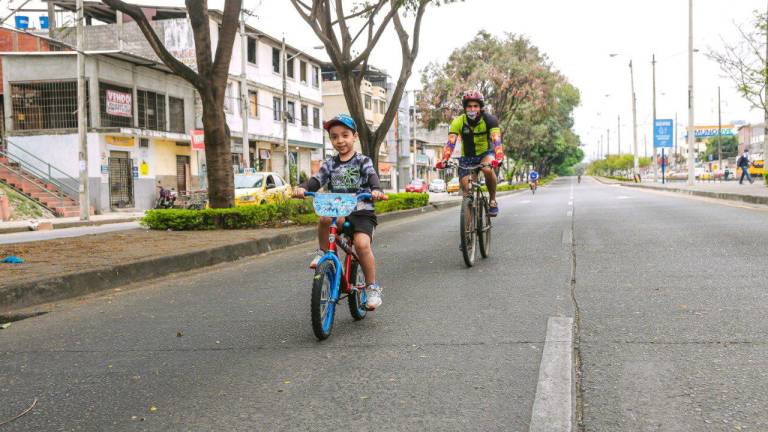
(341, 119)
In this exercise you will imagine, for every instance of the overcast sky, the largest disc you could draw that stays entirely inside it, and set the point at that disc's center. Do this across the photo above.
(578, 37)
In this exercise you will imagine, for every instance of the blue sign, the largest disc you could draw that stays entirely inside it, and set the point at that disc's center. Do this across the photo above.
(43, 22)
(663, 133)
(22, 22)
(135, 172)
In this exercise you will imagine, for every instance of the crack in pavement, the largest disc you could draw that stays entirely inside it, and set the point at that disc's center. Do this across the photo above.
(579, 397)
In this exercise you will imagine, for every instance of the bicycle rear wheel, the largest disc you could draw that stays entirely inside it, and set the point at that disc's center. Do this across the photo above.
(357, 297)
(323, 299)
(484, 227)
(467, 231)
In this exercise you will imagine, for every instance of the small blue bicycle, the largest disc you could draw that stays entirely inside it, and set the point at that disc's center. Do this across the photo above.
(333, 281)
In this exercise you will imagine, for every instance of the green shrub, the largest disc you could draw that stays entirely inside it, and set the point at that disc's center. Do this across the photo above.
(264, 215)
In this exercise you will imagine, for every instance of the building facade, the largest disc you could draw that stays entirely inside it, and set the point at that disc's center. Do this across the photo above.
(139, 117)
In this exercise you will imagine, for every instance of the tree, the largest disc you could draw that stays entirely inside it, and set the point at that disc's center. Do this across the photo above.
(210, 81)
(533, 102)
(746, 62)
(729, 146)
(332, 23)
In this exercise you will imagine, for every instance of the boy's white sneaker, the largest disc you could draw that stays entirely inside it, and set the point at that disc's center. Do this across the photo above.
(373, 293)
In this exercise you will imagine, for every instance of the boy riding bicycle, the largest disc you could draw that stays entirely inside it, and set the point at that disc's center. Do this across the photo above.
(349, 172)
(480, 143)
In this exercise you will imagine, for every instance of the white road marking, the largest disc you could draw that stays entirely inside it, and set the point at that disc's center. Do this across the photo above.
(623, 197)
(570, 213)
(525, 202)
(553, 407)
(570, 203)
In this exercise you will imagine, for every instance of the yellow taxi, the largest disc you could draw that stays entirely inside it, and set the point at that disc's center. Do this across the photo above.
(453, 185)
(259, 188)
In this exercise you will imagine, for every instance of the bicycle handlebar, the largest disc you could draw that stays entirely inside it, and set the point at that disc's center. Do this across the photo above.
(362, 196)
(468, 167)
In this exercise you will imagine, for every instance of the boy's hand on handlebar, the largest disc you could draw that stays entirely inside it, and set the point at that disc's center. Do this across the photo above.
(298, 192)
(440, 164)
(379, 195)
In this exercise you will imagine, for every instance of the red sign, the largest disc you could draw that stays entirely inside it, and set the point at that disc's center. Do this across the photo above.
(198, 139)
(119, 103)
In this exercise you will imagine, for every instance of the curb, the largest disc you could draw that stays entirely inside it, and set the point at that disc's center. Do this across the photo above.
(73, 224)
(751, 199)
(57, 288)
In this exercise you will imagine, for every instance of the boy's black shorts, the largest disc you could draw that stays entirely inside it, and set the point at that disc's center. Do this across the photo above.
(364, 221)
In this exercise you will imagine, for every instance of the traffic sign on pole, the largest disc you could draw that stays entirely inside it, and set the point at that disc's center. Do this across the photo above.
(663, 130)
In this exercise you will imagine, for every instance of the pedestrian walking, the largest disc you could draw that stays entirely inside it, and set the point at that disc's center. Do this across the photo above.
(744, 164)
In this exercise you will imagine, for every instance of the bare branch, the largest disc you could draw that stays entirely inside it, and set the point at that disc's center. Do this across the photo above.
(356, 14)
(345, 37)
(154, 41)
(394, 7)
(229, 27)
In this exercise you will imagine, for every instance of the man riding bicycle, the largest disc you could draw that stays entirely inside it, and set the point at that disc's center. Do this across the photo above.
(534, 176)
(480, 143)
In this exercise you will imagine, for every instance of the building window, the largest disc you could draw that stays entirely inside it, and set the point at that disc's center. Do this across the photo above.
(275, 60)
(115, 106)
(229, 99)
(316, 118)
(151, 110)
(291, 112)
(289, 68)
(315, 76)
(176, 114)
(303, 71)
(251, 50)
(253, 103)
(45, 105)
(276, 110)
(382, 106)
(367, 102)
(304, 115)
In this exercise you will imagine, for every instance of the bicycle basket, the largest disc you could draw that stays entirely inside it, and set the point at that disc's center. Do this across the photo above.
(334, 204)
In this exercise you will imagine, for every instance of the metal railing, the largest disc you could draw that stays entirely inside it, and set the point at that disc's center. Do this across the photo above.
(42, 170)
(59, 196)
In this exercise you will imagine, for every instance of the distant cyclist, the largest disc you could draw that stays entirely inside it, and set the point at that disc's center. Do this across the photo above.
(534, 179)
(480, 143)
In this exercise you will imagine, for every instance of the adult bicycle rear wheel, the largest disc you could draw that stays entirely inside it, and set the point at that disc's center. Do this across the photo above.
(484, 227)
(468, 231)
(357, 297)
(323, 299)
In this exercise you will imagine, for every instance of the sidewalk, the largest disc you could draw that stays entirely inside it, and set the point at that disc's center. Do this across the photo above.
(70, 222)
(756, 193)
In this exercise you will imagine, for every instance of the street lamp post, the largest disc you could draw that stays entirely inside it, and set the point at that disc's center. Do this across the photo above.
(634, 117)
(691, 130)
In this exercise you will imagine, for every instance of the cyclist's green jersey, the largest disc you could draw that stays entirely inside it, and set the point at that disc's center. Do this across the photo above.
(475, 140)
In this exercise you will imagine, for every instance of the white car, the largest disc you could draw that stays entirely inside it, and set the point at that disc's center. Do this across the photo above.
(437, 185)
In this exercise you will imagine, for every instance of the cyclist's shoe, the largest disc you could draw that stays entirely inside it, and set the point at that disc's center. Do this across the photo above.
(493, 209)
(374, 296)
(318, 254)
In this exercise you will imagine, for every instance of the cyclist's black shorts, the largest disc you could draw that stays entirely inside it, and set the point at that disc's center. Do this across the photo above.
(471, 160)
(364, 221)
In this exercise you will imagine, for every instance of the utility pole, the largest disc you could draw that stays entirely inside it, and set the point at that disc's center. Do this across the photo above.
(85, 202)
(244, 90)
(719, 132)
(634, 118)
(284, 109)
(618, 128)
(691, 127)
(413, 135)
(765, 105)
(608, 141)
(653, 154)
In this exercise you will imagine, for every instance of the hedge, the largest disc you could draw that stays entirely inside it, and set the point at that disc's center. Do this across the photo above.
(518, 186)
(259, 216)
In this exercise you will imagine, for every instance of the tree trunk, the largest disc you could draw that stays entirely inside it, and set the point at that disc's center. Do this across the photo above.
(218, 154)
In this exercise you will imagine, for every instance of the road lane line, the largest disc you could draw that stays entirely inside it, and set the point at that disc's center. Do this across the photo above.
(553, 405)
(570, 213)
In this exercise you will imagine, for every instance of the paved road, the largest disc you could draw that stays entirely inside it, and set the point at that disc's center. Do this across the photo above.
(452, 349)
(672, 330)
(32, 236)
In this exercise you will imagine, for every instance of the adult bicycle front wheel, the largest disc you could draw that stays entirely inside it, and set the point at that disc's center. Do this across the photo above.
(484, 227)
(357, 296)
(467, 231)
(323, 299)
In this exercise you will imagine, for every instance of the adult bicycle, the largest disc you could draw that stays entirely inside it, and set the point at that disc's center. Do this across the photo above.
(474, 220)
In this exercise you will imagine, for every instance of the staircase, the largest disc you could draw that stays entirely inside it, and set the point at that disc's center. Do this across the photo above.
(19, 172)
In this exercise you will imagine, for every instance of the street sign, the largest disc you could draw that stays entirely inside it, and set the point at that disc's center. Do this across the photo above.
(663, 133)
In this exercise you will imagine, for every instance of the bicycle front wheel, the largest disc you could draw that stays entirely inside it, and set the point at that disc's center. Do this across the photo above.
(323, 299)
(467, 231)
(357, 296)
(484, 228)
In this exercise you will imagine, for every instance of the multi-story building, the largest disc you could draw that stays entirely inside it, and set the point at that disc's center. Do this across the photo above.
(139, 116)
(254, 91)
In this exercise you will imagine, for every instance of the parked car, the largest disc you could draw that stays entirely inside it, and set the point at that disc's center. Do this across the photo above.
(453, 185)
(416, 185)
(437, 185)
(257, 188)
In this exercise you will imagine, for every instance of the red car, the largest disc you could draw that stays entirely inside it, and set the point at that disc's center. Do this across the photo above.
(416, 185)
